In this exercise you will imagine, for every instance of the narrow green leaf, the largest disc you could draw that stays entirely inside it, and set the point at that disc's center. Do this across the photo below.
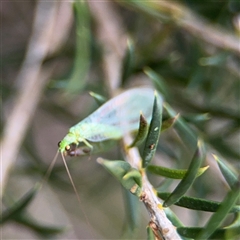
(215, 60)
(174, 220)
(129, 60)
(81, 62)
(40, 229)
(188, 137)
(132, 205)
(158, 81)
(189, 178)
(197, 203)
(142, 132)
(218, 217)
(129, 177)
(173, 173)
(219, 234)
(19, 206)
(227, 172)
(197, 118)
(135, 174)
(173, 217)
(150, 234)
(117, 168)
(169, 123)
(98, 98)
(154, 131)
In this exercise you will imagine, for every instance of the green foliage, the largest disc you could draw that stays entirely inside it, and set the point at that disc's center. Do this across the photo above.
(197, 203)
(142, 132)
(228, 174)
(79, 73)
(172, 173)
(218, 217)
(19, 207)
(232, 233)
(198, 81)
(129, 177)
(188, 178)
(154, 132)
(18, 213)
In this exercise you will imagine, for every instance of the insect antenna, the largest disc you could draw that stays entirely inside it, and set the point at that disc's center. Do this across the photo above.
(49, 170)
(75, 190)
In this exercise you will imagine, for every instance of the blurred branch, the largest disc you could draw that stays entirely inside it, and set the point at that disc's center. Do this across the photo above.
(113, 41)
(190, 21)
(31, 80)
(110, 31)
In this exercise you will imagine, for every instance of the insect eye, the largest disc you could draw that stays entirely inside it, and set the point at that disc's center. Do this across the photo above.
(67, 148)
(59, 143)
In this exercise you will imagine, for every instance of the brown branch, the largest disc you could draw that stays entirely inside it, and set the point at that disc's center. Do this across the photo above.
(110, 31)
(189, 21)
(30, 82)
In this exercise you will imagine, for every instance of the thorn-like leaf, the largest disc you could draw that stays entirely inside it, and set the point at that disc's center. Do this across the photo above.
(142, 132)
(228, 174)
(166, 124)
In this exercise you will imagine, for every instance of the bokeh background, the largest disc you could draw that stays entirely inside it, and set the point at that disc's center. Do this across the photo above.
(54, 52)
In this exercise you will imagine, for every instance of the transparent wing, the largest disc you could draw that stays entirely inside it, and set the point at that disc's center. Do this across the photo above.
(118, 116)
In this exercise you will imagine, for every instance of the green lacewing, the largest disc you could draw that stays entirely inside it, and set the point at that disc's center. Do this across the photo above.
(118, 116)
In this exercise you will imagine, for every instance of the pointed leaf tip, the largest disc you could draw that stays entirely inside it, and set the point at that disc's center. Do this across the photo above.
(154, 131)
(142, 132)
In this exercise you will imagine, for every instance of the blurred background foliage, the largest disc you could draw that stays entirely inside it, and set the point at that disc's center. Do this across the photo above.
(199, 79)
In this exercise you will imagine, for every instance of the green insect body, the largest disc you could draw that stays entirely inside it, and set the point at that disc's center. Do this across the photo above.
(118, 116)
